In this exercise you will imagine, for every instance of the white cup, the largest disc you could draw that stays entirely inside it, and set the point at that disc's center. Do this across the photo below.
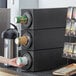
(22, 60)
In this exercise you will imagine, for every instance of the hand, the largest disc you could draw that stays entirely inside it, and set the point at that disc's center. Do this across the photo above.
(12, 62)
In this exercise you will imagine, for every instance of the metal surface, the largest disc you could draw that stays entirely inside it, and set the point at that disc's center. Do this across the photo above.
(8, 48)
(4, 24)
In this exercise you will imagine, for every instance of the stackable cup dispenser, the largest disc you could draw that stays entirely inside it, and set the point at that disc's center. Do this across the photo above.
(42, 38)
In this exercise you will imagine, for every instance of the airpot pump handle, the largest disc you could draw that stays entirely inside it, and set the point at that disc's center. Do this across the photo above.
(14, 26)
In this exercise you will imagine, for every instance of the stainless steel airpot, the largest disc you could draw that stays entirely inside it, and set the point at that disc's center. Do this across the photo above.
(10, 48)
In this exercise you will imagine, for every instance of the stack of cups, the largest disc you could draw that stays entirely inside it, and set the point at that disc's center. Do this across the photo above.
(22, 61)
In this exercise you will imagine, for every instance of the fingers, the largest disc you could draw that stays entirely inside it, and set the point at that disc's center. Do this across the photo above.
(21, 65)
(12, 62)
(14, 59)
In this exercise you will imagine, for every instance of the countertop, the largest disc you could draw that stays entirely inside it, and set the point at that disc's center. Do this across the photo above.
(24, 73)
(20, 72)
(45, 73)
